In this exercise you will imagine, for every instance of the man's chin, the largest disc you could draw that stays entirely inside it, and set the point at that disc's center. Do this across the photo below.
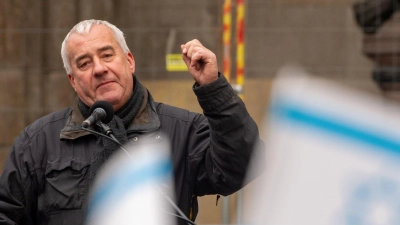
(111, 99)
(115, 98)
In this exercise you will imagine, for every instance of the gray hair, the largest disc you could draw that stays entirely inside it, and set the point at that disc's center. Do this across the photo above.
(83, 27)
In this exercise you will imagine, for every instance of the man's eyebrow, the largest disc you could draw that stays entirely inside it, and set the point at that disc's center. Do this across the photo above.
(105, 48)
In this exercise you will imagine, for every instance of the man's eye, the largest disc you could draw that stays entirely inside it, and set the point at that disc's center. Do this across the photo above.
(83, 64)
(107, 55)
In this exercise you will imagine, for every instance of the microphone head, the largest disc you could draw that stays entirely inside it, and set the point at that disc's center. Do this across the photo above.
(107, 107)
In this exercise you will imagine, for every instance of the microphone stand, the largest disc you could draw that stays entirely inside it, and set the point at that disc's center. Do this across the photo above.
(108, 133)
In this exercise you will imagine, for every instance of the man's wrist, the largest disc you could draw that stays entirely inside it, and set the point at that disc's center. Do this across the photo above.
(212, 95)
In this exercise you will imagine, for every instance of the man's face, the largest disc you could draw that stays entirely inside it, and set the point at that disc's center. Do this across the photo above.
(100, 69)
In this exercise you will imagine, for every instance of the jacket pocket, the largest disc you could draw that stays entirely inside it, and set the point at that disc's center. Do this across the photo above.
(66, 183)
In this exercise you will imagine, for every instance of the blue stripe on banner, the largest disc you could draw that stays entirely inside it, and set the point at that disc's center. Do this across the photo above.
(307, 117)
(127, 180)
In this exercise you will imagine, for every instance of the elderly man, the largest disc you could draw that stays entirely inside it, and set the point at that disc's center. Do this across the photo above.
(53, 161)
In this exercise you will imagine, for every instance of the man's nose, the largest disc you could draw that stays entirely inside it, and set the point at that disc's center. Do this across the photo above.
(99, 67)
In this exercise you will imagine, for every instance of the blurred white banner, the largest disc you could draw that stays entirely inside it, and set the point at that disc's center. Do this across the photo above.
(130, 188)
(333, 156)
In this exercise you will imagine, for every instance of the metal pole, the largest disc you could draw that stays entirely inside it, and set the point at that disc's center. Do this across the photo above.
(225, 210)
(239, 207)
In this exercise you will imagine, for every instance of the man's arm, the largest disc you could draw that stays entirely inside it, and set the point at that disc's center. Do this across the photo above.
(232, 133)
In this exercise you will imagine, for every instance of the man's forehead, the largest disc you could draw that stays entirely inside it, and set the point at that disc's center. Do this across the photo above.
(96, 39)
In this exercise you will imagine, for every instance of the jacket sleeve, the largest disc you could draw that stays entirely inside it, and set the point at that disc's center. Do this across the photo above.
(16, 196)
(230, 136)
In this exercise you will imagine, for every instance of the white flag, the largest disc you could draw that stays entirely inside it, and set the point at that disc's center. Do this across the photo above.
(333, 156)
(132, 188)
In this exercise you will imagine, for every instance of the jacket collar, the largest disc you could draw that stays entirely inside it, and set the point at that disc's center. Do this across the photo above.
(146, 119)
(72, 129)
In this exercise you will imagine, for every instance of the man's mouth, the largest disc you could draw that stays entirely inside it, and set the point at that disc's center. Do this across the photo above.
(104, 83)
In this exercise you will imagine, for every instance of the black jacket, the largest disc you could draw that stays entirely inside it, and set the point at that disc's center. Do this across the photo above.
(45, 177)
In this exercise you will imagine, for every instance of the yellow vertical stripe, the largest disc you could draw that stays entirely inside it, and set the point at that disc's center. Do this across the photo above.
(240, 54)
(226, 36)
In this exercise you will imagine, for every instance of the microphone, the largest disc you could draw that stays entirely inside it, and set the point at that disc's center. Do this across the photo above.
(100, 111)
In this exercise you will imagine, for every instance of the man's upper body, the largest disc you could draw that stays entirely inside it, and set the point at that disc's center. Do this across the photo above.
(48, 172)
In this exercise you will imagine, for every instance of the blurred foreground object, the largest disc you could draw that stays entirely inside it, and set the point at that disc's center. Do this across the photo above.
(372, 14)
(380, 21)
(333, 156)
(130, 187)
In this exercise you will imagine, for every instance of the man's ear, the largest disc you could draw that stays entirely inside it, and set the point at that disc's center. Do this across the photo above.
(131, 61)
(72, 81)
